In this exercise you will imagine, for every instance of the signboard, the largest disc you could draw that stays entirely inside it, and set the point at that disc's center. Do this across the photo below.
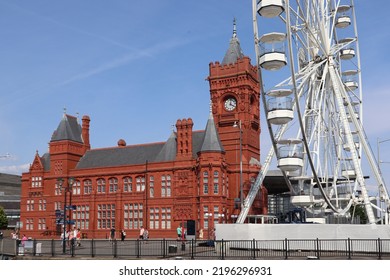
(28, 244)
(70, 207)
(59, 213)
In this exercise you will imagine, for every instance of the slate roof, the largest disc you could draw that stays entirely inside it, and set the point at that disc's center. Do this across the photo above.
(202, 141)
(234, 51)
(168, 151)
(211, 141)
(135, 154)
(117, 156)
(68, 129)
(46, 161)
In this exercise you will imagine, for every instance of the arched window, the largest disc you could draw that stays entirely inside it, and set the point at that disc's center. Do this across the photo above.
(101, 185)
(127, 184)
(87, 184)
(140, 183)
(76, 188)
(113, 185)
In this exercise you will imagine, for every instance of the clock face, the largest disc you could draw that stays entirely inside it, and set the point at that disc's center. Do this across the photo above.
(230, 104)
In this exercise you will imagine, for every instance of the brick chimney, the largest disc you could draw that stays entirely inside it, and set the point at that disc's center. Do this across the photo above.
(85, 132)
(184, 138)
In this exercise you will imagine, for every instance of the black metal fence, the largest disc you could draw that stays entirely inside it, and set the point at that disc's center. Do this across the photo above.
(202, 249)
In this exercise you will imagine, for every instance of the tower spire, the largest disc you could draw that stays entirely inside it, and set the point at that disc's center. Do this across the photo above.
(234, 51)
(234, 28)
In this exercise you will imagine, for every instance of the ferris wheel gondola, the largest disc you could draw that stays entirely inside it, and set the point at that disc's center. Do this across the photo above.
(310, 80)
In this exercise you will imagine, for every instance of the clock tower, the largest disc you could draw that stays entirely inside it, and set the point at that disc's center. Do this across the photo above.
(235, 94)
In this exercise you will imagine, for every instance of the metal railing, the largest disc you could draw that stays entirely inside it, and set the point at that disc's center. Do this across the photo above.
(201, 249)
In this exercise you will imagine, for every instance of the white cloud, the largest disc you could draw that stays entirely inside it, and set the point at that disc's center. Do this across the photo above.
(15, 169)
(137, 54)
(104, 67)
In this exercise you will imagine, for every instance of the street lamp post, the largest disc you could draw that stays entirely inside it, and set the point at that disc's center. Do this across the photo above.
(221, 219)
(67, 188)
(238, 124)
(234, 217)
(378, 154)
(378, 142)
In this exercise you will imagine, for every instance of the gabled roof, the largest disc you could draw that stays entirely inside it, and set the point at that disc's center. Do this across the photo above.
(234, 51)
(37, 163)
(68, 129)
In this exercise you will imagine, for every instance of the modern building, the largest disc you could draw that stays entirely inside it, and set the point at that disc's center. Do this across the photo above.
(10, 188)
(199, 176)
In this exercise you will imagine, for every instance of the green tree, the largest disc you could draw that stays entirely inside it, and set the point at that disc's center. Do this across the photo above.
(359, 211)
(3, 219)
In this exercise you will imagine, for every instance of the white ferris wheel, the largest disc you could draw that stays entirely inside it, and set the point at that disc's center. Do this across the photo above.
(307, 53)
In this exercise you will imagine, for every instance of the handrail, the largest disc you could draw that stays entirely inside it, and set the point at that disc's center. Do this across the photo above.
(346, 248)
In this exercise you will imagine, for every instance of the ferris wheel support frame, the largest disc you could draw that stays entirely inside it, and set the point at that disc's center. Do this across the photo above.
(339, 94)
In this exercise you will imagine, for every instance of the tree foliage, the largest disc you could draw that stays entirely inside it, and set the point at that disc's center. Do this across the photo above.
(360, 211)
(3, 219)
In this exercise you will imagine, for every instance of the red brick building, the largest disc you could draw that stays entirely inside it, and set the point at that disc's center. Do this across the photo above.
(193, 175)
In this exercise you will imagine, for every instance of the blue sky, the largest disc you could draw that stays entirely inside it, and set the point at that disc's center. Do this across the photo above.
(135, 67)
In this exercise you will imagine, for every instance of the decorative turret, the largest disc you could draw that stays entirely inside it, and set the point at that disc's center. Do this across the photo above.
(211, 142)
(68, 144)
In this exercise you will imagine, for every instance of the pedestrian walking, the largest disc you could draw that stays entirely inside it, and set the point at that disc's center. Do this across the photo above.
(112, 234)
(201, 234)
(123, 235)
(178, 231)
(78, 237)
(24, 239)
(146, 234)
(72, 238)
(141, 232)
(64, 238)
